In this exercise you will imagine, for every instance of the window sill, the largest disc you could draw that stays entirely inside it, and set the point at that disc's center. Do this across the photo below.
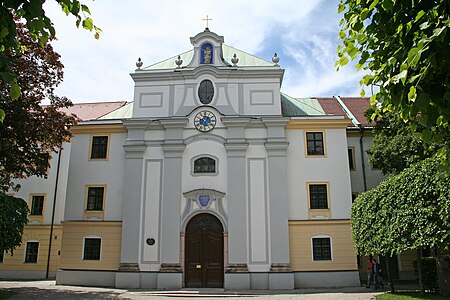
(319, 213)
(94, 215)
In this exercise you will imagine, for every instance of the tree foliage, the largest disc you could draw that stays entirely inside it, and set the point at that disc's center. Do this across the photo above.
(405, 47)
(404, 212)
(40, 29)
(13, 218)
(31, 132)
(395, 147)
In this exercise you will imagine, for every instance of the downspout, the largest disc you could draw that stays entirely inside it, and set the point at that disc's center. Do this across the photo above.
(363, 165)
(361, 131)
(53, 213)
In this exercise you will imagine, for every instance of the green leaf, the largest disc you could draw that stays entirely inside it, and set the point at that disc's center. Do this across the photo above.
(412, 94)
(7, 76)
(426, 135)
(374, 3)
(4, 32)
(88, 24)
(35, 8)
(387, 5)
(2, 115)
(85, 9)
(438, 31)
(14, 92)
(400, 76)
(419, 15)
(413, 56)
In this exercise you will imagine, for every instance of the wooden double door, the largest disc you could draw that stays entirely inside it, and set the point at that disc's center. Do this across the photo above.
(204, 252)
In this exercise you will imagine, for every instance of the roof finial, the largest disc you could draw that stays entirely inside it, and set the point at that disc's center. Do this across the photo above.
(275, 59)
(207, 22)
(178, 62)
(139, 63)
(235, 60)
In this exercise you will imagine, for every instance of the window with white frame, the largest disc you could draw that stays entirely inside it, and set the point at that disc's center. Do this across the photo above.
(321, 248)
(92, 248)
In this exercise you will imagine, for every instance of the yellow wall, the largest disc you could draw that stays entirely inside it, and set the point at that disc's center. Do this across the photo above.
(72, 245)
(300, 244)
(38, 233)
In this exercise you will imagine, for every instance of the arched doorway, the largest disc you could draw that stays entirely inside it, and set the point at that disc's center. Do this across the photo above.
(204, 252)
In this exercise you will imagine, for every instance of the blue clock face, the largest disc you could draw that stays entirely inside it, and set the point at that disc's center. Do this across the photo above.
(205, 121)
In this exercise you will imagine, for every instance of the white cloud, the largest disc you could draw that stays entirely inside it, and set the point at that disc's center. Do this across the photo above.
(154, 30)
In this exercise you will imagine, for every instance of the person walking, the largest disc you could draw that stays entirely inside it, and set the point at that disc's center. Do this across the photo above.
(369, 272)
(376, 273)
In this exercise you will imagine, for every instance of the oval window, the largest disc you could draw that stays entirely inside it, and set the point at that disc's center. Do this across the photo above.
(206, 91)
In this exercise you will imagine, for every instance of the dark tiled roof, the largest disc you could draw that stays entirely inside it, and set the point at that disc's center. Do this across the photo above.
(92, 111)
(331, 107)
(358, 106)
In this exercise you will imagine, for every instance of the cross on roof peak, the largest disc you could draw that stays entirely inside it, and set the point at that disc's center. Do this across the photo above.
(207, 21)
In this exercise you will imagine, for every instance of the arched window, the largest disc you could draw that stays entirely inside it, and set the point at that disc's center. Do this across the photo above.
(206, 91)
(205, 165)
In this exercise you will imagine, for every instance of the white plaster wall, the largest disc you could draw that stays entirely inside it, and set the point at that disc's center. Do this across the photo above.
(39, 185)
(217, 182)
(333, 169)
(83, 171)
(262, 98)
(373, 176)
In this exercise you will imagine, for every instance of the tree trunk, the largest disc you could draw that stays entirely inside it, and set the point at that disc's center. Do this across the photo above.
(389, 274)
(419, 268)
(443, 274)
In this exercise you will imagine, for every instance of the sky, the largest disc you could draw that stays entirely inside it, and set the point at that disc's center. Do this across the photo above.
(304, 34)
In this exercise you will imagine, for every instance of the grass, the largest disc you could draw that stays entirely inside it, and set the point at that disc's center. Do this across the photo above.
(408, 296)
(5, 294)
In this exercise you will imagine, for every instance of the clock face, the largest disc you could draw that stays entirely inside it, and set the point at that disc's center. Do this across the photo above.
(205, 121)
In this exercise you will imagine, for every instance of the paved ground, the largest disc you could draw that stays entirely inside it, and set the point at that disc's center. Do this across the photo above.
(39, 290)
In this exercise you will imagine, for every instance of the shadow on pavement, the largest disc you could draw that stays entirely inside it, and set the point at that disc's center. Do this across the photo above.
(38, 294)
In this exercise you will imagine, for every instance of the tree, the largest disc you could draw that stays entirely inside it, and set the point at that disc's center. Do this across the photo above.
(405, 47)
(13, 218)
(407, 211)
(395, 147)
(40, 29)
(31, 132)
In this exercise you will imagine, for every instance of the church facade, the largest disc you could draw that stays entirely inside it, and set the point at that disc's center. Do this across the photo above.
(211, 177)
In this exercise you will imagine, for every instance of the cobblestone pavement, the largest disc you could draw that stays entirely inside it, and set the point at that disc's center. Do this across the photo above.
(39, 290)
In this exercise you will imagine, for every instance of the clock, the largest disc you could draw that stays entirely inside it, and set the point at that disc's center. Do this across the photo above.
(205, 121)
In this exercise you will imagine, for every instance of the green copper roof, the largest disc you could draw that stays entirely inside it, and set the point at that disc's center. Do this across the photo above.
(245, 59)
(300, 107)
(123, 112)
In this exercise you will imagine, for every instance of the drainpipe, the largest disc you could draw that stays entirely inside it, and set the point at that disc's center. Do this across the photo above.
(53, 213)
(363, 165)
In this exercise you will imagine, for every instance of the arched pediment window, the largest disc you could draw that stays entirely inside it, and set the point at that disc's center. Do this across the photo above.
(204, 165)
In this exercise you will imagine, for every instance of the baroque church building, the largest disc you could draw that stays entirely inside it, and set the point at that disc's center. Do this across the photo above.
(210, 177)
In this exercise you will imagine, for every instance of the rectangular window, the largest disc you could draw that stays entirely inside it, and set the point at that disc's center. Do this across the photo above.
(31, 254)
(314, 143)
(95, 198)
(37, 205)
(321, 249)
(351, 158)
(92, 248)
(99, 148)
(318, 196)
